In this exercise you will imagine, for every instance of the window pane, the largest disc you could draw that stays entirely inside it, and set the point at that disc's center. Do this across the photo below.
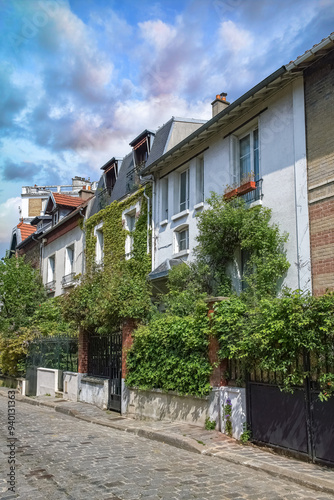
(183, 240)
(164, 199)
(256, 154)
(183, 191)
(245, 158)
(200, 181)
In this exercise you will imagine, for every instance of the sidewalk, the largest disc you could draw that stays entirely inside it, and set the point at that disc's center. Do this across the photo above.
(195, 439)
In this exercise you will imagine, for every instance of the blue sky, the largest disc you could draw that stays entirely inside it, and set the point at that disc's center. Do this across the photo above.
(80, 79)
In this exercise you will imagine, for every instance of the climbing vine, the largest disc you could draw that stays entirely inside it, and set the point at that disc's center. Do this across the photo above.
(119, 288)
(229, 228)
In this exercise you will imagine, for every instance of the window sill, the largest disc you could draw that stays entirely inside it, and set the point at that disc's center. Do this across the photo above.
(181, 254)
(199, 205)
(164, 222)
(180, 214)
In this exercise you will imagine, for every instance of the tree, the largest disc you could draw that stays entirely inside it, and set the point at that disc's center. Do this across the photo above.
(230, 226)
(21, 292)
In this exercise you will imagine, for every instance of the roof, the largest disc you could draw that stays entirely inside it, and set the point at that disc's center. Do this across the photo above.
(256, 94)
(141, 136)
(310, 55)
(25, 230)
(162, 270)
(159, 143)
(67, 201)
(121, 185)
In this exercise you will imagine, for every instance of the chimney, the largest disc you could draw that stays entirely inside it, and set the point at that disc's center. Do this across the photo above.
(219, 104)
(85, 194)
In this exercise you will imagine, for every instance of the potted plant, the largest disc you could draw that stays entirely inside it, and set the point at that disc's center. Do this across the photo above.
(247, 184)
(230, 192)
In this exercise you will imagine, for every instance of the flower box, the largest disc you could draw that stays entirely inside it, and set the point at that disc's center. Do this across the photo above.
(231, 194)
(246, 187)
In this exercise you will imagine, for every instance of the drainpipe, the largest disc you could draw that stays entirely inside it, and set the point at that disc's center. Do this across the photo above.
(149, 178)
(83, 244)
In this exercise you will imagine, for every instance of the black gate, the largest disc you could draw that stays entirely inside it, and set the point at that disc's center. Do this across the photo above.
(105, 360)
(297, 422)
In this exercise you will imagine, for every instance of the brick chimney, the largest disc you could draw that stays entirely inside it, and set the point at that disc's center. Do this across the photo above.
(219, 104)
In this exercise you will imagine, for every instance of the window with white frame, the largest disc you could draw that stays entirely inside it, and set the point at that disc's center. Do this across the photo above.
(69, 260)
(98, 233)
(130, 224)
(245, 153)
(164, 198)
(200, 180)
(184, 190)
(181, 240)
(51, 269)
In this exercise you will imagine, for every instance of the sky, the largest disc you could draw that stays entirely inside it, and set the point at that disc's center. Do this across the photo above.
(80, 79)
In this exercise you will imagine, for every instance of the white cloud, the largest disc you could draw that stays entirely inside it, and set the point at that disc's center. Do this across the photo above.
(157, 33)
(9, 217)
(234, 38)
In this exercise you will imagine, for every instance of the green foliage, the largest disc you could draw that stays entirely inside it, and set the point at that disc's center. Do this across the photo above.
(228, 227)
(120, 288)
(276, 333)
(185, 291)
(21, 291)
(210, 425)
(246, 433)
(227, 413)
(171, 353)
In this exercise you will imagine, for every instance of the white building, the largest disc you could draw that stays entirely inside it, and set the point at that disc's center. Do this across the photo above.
(262, 132)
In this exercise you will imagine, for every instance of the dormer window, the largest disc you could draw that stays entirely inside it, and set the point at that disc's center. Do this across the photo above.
(141, 148)
(55, 218)
(110, 174)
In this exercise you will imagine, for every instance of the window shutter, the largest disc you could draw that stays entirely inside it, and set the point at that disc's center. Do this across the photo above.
(234, 159)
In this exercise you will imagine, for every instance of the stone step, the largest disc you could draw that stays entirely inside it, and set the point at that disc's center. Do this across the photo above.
(59, 394)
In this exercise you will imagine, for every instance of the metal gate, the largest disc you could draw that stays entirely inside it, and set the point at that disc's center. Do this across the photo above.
(105, 360)
(297, 422)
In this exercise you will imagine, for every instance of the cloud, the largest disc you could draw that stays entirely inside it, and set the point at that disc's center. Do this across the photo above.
(13, 171)
(234, 38)
(9, 217)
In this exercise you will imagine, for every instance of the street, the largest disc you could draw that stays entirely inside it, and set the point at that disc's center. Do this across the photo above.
(59, 457)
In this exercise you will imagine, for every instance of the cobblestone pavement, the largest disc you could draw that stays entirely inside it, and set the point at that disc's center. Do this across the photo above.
(59, 457)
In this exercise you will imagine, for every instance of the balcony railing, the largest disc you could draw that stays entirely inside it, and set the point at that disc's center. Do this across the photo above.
(50, 287)
(254, 195)
(68, 280)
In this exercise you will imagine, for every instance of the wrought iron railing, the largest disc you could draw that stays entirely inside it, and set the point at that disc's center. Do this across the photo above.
(60, 353)
(50, 287)
(254, 195)
(68, 280)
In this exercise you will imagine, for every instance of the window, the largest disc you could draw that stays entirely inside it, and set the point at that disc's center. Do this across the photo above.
(69, 260)
(164, 198)
(200, 180)
(249, 156)
(130, 219)
(181, 240)
(184, 190)
(98, 233)
(55, 218)
(51, 269)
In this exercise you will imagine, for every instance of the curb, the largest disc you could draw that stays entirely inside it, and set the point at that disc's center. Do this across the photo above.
(189, 444)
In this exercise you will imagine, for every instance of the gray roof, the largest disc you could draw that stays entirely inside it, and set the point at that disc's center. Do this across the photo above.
(162, 270)
(159, 143)
(100, 200)
(122, 188)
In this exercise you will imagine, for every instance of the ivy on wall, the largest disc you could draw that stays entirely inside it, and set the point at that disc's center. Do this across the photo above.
(119, 288)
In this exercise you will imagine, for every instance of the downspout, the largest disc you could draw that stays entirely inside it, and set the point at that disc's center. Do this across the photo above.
(83, 243)
(149, 178)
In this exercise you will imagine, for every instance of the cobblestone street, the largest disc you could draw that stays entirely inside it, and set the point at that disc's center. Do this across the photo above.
(58, 457)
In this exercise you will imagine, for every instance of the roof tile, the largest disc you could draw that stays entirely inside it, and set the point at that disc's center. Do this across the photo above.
(26, 230)
(67, 201)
